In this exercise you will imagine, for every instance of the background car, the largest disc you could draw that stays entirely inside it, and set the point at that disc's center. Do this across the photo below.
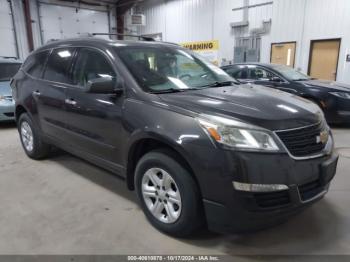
(8, 68)
(332, 97)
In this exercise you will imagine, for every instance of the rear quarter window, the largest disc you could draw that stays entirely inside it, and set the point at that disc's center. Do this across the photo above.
(35, 63)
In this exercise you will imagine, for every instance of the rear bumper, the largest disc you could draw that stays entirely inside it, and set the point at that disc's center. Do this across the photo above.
(7, 111)
(250, 211)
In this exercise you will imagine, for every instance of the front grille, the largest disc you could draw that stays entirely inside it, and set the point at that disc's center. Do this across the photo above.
(8, 98)
(310, 190)
(272, 200)
(9, 114)
(303, 141)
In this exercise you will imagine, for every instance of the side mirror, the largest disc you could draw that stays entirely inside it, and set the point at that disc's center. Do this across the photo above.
(276, 79)
(103, 85)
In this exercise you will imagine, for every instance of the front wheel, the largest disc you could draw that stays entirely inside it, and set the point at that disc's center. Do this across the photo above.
(168, 194)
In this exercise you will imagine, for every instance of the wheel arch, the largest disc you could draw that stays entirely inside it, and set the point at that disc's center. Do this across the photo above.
(19, 111)
(150, 142)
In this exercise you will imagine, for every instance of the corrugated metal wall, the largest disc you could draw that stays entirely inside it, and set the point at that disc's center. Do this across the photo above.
(292, 20)
(199, 20)
(306, 20)
(16, 43)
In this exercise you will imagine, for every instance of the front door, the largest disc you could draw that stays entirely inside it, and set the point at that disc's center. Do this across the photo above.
(95, 120)
(324, 59)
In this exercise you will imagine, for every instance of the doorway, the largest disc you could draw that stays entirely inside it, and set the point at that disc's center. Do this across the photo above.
(324, 57)
(283, 53)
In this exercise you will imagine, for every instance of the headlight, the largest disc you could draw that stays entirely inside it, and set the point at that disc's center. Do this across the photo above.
(341, 95)
(2, 98)
(236, 134)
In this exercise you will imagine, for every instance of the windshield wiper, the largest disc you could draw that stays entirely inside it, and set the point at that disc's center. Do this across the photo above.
(170, 90)
(221, 84)
(302, 79)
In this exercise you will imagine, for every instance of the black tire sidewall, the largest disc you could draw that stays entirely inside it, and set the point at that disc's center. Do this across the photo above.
(190, 217)
(37, 151)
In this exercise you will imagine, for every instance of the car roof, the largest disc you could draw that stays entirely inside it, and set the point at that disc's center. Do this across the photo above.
(100, 42)
(254, 63)
(10, 60)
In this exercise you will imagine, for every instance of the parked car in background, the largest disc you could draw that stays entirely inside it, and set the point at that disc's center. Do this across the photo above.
(8, 68)
(332, 97)
(197, 148)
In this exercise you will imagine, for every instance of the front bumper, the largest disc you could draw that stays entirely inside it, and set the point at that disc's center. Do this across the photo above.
(7, 111)
(337, 110)
(233, 211)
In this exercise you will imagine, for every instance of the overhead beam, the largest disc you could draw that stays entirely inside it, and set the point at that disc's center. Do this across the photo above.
(252, 6)
(28, 21)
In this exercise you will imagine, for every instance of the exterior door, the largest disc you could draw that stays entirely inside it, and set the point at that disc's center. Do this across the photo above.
(56, 79)
(283, 53)
(94, 119)
(324, 58)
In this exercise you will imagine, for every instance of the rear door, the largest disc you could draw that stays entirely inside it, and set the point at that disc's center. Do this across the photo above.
(56, 79)
(94, 119)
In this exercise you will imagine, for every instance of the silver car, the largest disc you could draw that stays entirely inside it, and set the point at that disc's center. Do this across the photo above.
(8, 68)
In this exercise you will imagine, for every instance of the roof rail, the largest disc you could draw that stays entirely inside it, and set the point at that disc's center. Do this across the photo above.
(140, 37)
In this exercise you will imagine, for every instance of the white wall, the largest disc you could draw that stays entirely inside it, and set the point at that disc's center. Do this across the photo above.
(200, 20)
(306, 20)
(292, 20)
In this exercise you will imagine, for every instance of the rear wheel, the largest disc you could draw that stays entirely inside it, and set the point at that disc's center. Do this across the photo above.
(168, 194)
(31, 139)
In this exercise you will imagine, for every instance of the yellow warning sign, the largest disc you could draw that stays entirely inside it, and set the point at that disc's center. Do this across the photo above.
(202, 46)
(207, 49)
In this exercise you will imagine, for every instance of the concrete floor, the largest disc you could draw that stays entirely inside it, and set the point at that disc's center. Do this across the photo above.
(64, 205)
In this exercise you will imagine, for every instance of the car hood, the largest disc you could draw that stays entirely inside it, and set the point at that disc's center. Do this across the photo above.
(5, 88)
(331, 85)
(257, 105)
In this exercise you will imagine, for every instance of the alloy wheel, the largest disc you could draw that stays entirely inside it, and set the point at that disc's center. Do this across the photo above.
(161, 195)
(27, 136)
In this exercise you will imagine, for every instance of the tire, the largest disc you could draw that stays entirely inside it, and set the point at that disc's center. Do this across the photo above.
(31, 139)
(186, 216)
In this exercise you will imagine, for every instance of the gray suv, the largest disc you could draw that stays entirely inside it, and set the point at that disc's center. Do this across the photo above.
(198, 148)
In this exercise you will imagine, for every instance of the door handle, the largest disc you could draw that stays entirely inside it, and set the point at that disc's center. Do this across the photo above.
(36, 93)
(70, 102)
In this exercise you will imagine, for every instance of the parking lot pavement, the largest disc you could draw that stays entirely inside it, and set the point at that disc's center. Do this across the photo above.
(64, 205)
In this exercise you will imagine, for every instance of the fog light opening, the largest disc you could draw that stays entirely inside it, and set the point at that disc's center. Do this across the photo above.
(258, 187)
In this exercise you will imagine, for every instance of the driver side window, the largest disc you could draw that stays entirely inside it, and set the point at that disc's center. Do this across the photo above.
(260, 74)
(90, 65)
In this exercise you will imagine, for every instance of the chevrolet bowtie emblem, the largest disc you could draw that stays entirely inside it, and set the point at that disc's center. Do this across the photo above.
(322, 138)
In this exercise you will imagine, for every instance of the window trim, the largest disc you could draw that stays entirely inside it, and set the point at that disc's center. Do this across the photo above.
(109, 61)
(47, 60)
(43, 68)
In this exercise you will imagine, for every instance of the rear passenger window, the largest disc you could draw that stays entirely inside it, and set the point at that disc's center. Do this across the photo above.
(58, 65)
(90, 65)
(35, 63)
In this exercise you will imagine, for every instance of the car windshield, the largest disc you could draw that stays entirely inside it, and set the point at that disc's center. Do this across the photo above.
(8, 70)
(166, 69)
(290, 73)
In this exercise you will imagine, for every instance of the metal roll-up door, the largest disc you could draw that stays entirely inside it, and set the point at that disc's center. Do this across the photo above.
(60, 22)
(8, 46)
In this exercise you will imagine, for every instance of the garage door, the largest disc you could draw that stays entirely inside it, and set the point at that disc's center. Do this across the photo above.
(59, 22)
(7, 33)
